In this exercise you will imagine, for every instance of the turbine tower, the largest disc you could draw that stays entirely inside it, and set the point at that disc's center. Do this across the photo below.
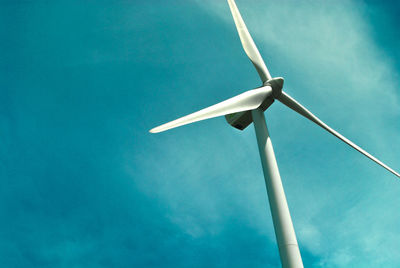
(248, 107)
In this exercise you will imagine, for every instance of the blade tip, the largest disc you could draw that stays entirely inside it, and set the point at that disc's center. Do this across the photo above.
(153, 130)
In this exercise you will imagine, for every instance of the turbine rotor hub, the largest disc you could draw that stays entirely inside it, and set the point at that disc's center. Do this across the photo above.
(276, 84)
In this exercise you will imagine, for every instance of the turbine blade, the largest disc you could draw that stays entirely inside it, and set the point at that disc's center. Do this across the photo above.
(248, 100)
(248, 43)
(294, 105)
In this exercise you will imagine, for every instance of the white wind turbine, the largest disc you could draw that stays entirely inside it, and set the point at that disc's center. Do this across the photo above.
(248, 107)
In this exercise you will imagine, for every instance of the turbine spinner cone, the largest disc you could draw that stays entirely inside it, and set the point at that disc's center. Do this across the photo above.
(277, 85)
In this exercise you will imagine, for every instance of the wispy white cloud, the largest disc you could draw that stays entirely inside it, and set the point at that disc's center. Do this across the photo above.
(331, 62)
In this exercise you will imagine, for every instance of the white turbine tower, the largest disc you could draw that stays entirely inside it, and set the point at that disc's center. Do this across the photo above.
(248, 107)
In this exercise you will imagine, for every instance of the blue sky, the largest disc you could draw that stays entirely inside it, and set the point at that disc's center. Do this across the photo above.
(83, 183)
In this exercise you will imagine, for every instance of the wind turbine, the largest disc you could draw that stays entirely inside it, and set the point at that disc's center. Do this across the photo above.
(248, 107)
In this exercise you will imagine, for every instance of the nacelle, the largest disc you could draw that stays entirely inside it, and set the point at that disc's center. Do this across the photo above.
(243, 119)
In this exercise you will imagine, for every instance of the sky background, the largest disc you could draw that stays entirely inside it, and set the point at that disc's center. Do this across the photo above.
(83, 183)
